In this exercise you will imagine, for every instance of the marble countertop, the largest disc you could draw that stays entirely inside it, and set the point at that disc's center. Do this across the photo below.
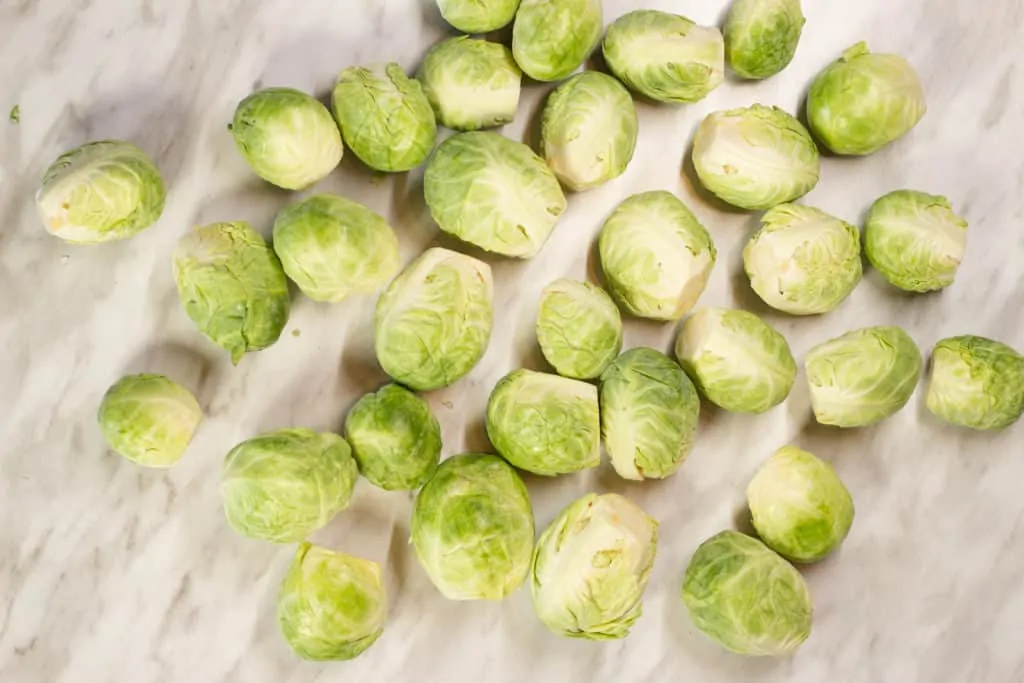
(111, 572)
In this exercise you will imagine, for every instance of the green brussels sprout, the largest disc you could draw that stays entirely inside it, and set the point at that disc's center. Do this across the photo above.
(799, 506)
(433, 322)
(656, 256)
(232, 287)
(149, 419)
(588, 130)
(395, 439)
(863, 376)
(478, 16)
(331, 606)
(284, 485)
(591, 565)
(288, 137)
(664, 56)
(756, 157)
(761, 36)
(863, 101)
(803, 261)
(470, 83)
(579, 328)
(976, 382)
(738, 361)
(385, 117)
(472, 528)
(100, 192)
(552, 38)
(332, 247)
(649, 413)
(544, 423)
(494, 193)
(747, 598)
(915, 240)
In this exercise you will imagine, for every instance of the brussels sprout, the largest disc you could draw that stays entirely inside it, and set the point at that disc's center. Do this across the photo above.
(149, 419)
(747, 598)
(799, 506)
(544, 423)
(100, 192)
(862, 376)
(591, 565)
(664, 56)
(472, 528)
(976, 382)
(755, 158)
(433, 322)
(655, 255)
(470, 83)
(331, 605)
(803, 261)
(552, 38)
(395, 439)
(284, 485)
(864, 101)
(478, 16)
(332, 247)
(232, 287)
(288, 137)
(579, 328)
(494, 193)
(915, 240)
(385, 118)
(738, 361)
(649, 411)
(761, 36)
(588, 130)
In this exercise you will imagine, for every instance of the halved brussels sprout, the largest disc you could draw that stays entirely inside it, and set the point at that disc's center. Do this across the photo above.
(579, 328)
(332, 247)
(588, 130)
(738, 361)
(664, 56)
(478, 16)
(494, 193)
(472, 528)
(802, 260)
(761, 36)
(552, 38)
(747, 598)
(100, 192)
(756, 157)
(591, 565)
(656, 256)
(976, 382)
(433, 322)
(331, 606)
(384, 116)
(149, 419)
(232, 287)
(288, 137)
(544, 423)
(799, 506)
(863, 376)
(649, 414)
(284, 485)
(915, 240)
(471, 83)
(863, 101)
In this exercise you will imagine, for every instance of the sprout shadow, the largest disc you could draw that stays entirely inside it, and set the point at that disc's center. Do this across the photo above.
(198, 372)
(412, 218)
(254, 201)
(533, 131)
(595, 273)
(358, 370)
(743, 520)
(474, 436)
(430, 13)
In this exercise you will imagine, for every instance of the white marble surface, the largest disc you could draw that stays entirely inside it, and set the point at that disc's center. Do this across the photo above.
(109, 572)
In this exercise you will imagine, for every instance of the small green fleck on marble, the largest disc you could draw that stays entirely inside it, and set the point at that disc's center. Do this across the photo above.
(15, 115)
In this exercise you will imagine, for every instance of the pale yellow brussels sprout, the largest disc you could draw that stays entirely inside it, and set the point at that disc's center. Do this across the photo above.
(656, 256)
(478, 16)
(472, 528)
(331, 606)
(552, 38)
(976, 382)
(664, 56)
(761, 36)
(799, 506)
(579, 328)
(149, 419)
